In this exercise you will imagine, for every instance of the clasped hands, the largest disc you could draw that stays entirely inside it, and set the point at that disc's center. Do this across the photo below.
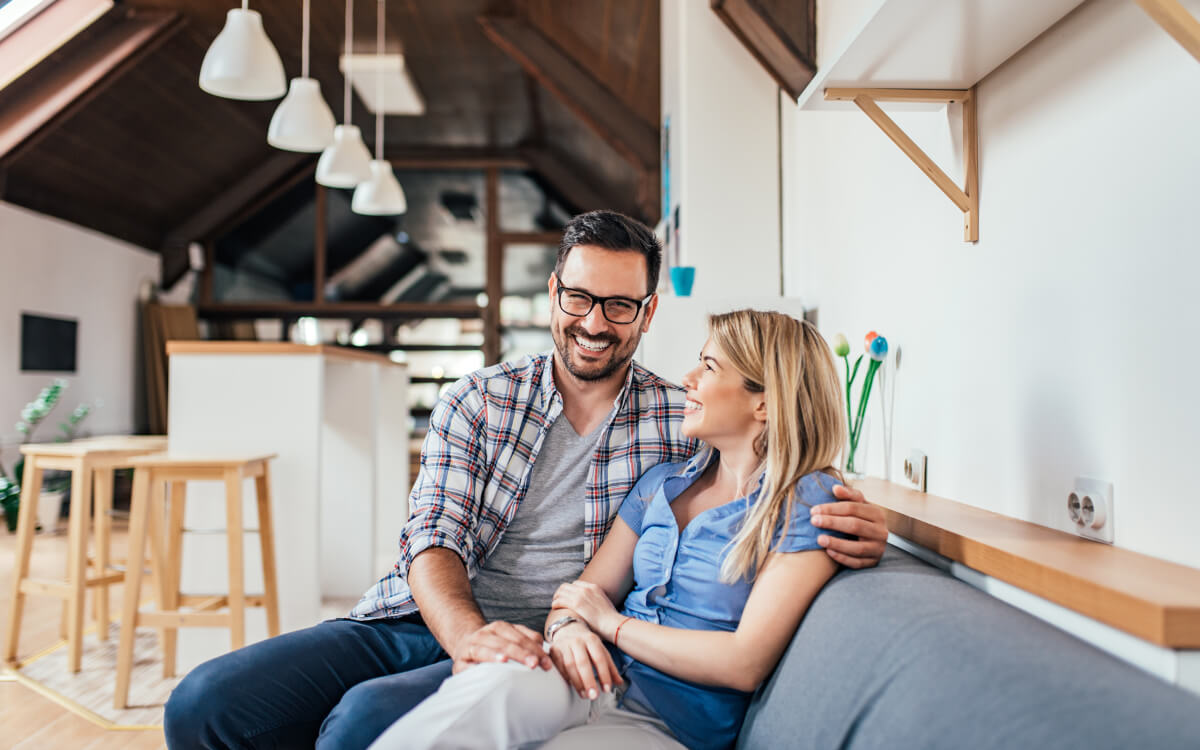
(578, 652)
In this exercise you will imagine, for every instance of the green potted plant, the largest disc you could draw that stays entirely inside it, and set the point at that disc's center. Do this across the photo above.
(31, 416)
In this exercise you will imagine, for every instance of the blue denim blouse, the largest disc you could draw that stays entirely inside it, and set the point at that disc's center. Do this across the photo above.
(677, 584)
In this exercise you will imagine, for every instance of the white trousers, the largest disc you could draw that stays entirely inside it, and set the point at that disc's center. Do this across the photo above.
(509, 705)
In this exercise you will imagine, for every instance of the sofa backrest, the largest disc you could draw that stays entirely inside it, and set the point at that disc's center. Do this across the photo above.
(905, 656)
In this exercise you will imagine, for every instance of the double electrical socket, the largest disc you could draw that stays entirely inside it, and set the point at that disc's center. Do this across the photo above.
(916, 466)
(1090, 508)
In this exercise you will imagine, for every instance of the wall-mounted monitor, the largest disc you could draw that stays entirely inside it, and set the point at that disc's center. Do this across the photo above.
(48, 344)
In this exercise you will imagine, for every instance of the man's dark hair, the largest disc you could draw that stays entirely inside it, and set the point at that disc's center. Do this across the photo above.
(612, 231)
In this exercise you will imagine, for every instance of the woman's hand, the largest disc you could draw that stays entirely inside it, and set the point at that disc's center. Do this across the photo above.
(591, 603)
(581, 658)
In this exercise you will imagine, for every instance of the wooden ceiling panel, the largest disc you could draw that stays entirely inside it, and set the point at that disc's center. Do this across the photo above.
(616, 41)
(153, 154)
(101, 212)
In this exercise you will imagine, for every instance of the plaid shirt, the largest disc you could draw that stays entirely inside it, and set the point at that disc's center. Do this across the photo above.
(484, 436)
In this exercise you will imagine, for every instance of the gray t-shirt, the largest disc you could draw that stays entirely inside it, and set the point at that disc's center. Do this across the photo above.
(543, 546)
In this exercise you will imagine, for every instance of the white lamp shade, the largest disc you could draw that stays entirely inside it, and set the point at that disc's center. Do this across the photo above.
(302, 121)
(345, 162)
(381, 195)
(242, 63)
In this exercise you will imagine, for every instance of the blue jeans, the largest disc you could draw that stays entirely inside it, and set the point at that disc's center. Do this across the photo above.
(339, 684)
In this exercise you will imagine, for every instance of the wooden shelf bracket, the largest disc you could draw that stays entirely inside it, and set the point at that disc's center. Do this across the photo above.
(966, 197)
(1176, 21)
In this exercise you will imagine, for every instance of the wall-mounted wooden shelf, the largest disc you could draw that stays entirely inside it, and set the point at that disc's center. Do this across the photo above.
(1176, 21)
(1155, 600)
(965, 198)
(931, 44)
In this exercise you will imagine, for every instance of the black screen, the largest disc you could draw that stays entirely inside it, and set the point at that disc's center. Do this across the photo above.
(47, 344)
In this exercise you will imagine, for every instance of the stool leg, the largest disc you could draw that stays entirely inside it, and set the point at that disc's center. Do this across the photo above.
(102, 518)
(235, 534)
(156, 531)
(138, 512)
(266, 538)
(31, 486)
(81, 490)
(173, 572)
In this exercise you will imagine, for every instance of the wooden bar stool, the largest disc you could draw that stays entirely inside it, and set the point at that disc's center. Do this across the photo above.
(90, 462)
(152, 475)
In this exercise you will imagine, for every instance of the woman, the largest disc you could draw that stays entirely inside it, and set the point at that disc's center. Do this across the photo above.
(714, 559)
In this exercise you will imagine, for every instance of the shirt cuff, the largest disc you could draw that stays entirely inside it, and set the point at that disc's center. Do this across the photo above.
(423, 539)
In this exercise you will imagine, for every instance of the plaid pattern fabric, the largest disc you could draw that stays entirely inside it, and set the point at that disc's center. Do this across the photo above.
(485, 434)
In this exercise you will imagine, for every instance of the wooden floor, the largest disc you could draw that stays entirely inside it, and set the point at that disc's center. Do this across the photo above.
(28, 720)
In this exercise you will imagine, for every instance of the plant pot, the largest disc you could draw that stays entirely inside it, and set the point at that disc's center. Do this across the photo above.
(49, 507)
(682, 278)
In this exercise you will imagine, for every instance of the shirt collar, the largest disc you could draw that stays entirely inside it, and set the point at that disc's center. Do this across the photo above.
(550, 396)
(690, 470)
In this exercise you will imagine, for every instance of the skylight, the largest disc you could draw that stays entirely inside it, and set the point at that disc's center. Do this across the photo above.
(399, 94)
(30, 30)
(13, 13)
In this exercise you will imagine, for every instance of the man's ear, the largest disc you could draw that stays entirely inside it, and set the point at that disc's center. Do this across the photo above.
(651, 307)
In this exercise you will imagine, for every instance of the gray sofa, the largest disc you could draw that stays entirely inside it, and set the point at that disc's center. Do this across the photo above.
(906, 656)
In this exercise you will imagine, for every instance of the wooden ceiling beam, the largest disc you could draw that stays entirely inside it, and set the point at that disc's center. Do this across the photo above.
(279, 173)
(392, 311)
(780, 34)
(78, 78)
(598, 107)
(281, 168)
(455, 158)
(566, 178)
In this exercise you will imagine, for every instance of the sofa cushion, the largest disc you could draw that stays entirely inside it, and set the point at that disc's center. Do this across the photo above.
(906, 656)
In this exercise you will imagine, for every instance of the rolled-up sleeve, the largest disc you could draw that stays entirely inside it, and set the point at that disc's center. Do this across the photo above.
(447, 496)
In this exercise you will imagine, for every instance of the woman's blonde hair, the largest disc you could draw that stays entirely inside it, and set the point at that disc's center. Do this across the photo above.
(791, 365)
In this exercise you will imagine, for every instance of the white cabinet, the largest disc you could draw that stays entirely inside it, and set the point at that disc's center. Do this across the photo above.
(338, 420)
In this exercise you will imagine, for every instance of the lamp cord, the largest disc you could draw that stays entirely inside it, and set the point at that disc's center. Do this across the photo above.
(349, 43)
(304, 42)
(378, 87)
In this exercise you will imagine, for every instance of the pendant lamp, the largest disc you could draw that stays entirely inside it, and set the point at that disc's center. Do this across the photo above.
(302, 122)
(242, 63)
(345, 162)
(381, 195)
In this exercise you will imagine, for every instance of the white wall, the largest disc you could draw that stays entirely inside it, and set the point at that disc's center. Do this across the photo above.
(1060, 344)
(58, 269)
(724, 116)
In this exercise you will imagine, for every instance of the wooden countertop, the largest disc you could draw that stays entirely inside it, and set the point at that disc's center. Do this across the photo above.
(1153, 599)
(276, 347)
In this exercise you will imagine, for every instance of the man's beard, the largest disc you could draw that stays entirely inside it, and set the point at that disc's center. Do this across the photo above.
(618, 357)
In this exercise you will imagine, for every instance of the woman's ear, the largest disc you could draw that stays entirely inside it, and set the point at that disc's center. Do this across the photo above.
(760, 409)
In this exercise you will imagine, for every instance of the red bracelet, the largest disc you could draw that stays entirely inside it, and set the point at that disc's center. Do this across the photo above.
(617, 633)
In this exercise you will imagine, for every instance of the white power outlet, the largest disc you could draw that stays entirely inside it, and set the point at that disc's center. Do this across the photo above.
(915, 469)
(1090, 509)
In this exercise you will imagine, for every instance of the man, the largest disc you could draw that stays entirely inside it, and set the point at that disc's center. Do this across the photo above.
(524, 466)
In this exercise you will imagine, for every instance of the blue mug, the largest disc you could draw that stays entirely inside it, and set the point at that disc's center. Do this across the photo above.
(682, 278)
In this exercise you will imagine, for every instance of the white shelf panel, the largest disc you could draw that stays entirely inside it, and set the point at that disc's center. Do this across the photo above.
(931, 44)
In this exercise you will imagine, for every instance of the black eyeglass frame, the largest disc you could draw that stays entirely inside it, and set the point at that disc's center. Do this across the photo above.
(601, 301)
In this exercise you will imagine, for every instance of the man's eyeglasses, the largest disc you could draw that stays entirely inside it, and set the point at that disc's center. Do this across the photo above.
(578, 303)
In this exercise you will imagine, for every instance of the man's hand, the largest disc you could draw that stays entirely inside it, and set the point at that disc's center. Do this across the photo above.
(500, 641)
(854, 516)
(581, 658)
